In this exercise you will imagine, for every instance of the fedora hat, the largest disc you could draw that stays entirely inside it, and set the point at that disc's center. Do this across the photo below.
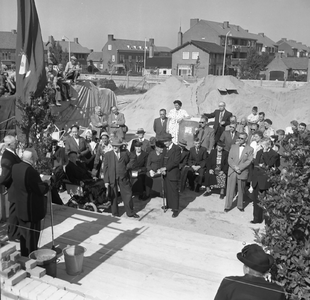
(182, 143)
(138, 144)
(165, 137)
(116, 142)
(254, 257)
(152, 141)
(140, 130)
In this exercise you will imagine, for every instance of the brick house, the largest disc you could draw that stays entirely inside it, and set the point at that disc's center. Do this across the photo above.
(198, 58)
(8, 47)
(292, 48)
(129, 54)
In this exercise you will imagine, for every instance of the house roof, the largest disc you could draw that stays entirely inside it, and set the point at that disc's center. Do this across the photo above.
(205, 46)
(296, 45)
(74, 47)
(95, 56)
(296, 63)
(7, 40)
(136, 45)
(264, 40)
(235, 30)
(159, 62)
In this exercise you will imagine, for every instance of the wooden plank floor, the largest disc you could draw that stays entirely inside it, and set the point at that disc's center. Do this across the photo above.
(129, 259)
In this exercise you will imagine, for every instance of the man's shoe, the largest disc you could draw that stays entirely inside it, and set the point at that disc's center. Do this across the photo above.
(165, 207)
(115, 215)
(136, 216)
(197, 189)
(256, 222)
(226, 209)
(175, 214)
(241, 209)
(206, 194)
(222, 196)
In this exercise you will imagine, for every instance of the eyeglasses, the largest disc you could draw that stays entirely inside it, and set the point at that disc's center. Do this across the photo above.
(201, 122)
(240, 138)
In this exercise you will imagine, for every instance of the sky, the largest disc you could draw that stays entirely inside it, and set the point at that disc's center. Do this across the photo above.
(92, 20)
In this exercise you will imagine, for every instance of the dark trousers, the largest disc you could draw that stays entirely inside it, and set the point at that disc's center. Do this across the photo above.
(126, 193)
(183, 178)
(257, 210)
(192, 177)
(13, 231)
(64, 90)
(29, 237)
(171, 193)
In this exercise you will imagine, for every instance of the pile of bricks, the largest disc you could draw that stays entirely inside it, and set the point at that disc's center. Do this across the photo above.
(21, 278)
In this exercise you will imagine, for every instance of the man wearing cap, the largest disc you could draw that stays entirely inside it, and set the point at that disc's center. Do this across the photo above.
(160, 124)
(222, 117)
(171, 162)
(205, 134)
(253, 285)
(28, 190)
(98, 121)
(145, 143)
(72, 70)
(116, 122)
(183, 166)
(10, 158)
(117, 163)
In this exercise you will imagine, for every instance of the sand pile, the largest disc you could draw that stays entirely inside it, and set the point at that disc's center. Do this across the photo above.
(206, 93)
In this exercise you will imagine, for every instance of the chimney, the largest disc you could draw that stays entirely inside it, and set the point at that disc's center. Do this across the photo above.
(91, 50)
(180, 37)
(110, 37)
(292, 41)
(226, 24)
(151, 47)
(261, 34)
(76, 40)
(13, 31)
(193, 22)
(51, 39)
(247, 30)
(283, 39)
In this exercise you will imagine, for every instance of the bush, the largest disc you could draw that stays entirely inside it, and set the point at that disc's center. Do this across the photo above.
(108, 84)
(287, 230)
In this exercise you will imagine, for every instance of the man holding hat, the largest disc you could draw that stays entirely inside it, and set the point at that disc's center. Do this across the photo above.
(145, 143)
(171, 162)
(71, 70)
(116, 166)
(253, 285)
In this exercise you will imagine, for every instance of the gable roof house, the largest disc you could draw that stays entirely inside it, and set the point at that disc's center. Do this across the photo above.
(7, 47)
(292, 48)
(129, 54)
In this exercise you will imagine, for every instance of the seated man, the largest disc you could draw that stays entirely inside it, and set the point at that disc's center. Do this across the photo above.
(197, 162)
(138, 170)
(253, 285)
(98, 121)
(145, 143)
(72, 69)
(63, 84)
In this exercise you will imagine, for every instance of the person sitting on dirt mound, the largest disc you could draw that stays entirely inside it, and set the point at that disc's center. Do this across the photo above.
(72, 69)
(253, 285)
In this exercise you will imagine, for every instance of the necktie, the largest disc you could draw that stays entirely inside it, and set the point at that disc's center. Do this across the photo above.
(221, 116)
(162, 122)
(197, 150)
(232, 135)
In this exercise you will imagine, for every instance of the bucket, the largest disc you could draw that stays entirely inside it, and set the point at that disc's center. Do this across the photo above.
(74, 256)
(46, 258)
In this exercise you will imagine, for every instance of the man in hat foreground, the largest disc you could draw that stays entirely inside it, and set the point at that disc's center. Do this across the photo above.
(253, 285)
(145, 143)
(116, 165)
(172, 157)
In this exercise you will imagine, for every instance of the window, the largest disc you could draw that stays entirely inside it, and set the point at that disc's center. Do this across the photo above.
(121, 58)
(185, 55)
(109, 47)
(113, 58)
(195, 55)
(129, 57)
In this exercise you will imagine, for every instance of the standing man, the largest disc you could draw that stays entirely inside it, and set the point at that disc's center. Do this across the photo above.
(197, 162)
(28, 190)
(145, 143)
(115, 168)
(222, 117)
(172, 157)
(77, 144)
(116, 122)
(229, 137)
(266, 158)
(205, 134)
(10, 158)
(160, 124)
(239, 159)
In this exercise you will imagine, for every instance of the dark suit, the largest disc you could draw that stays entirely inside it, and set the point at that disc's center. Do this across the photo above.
(228, 140)
(8, 160)
(116, 124)
(139, 164)
(82, 148)
(160, 128)
(206, 137)
(116, 174)
(218, 128)
(260, 181)
(171, 161)
(183, 166)
(195, 159)
(28, 190)
(77, 172)
(249, 287)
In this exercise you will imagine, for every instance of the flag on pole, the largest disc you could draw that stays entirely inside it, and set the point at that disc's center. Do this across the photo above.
(30, 65)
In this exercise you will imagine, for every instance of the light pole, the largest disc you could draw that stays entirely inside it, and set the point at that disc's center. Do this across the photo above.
(64, 37)
(223, 72)
(144, 56)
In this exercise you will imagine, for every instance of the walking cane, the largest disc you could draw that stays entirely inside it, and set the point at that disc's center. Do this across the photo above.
(163, 192)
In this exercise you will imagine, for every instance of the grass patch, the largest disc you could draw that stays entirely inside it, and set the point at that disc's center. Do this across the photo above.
(122, 90)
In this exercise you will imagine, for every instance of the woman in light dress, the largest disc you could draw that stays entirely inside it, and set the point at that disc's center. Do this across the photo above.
(175, 116)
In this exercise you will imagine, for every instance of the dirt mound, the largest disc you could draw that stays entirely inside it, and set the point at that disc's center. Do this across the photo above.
(206, 93)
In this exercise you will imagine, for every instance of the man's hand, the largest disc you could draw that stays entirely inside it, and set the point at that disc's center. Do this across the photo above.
(222, 123)
(211, 172)
(94, 172)
(152, 173)
(106, 185)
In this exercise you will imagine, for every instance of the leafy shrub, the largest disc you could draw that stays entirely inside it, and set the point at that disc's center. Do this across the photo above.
(287, 230)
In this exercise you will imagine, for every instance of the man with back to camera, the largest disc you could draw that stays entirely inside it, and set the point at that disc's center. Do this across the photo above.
(253, 285)
(160, 124)
(222, 117)
(10, 158)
